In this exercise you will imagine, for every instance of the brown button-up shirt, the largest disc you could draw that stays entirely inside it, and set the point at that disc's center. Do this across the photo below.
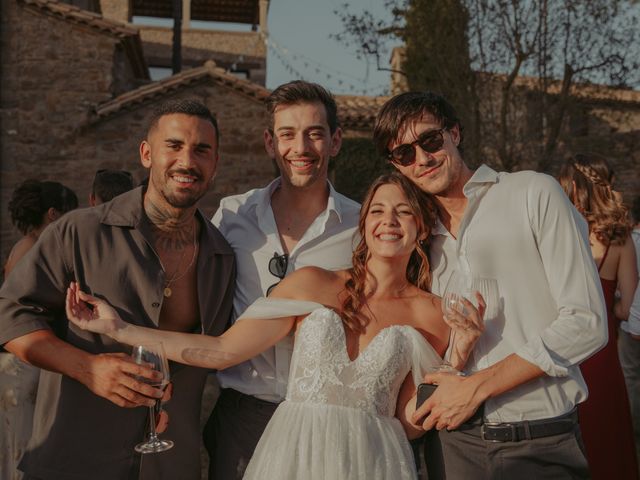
(108, 251)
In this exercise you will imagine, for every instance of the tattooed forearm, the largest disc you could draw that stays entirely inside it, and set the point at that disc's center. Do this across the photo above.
(207, 357)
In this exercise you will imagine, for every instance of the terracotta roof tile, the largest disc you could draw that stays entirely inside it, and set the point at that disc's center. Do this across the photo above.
(356, 112)
(84, 17)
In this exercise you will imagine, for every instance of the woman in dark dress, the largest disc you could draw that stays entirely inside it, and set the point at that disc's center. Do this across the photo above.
(605, 418)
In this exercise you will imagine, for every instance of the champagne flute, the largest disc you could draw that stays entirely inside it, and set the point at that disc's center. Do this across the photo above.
(153, 355)
(462, 286)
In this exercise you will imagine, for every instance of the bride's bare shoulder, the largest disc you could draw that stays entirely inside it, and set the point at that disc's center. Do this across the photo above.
(311, 283)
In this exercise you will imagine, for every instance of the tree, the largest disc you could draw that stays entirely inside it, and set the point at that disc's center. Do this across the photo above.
(528, 57)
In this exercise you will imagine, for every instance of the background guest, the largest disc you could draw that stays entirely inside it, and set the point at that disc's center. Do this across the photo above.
(33, 206)
(108, 184)
(629, 337)
(605, 417)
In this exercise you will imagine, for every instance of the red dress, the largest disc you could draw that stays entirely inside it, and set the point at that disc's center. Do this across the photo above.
(605, 418)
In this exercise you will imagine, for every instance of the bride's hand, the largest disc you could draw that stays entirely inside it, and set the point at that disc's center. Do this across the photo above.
(91, 313)
(466, 327)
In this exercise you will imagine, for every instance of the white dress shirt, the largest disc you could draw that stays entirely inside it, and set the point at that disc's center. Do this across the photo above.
(248, 224)
(632, 325)
(522, 230)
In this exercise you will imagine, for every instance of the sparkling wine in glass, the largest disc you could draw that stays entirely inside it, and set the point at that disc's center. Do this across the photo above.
(462, 286)
(153, 355)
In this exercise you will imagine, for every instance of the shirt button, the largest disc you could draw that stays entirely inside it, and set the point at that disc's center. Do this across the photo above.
(155, 304)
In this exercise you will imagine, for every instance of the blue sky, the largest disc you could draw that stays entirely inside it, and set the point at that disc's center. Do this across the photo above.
(300, 46)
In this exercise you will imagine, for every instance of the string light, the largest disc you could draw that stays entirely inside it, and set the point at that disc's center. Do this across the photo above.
(294, 63)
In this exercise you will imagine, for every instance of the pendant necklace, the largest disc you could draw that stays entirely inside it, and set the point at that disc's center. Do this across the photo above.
(167, 292)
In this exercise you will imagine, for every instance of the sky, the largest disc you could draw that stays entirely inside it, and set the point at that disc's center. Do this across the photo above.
(300, 47)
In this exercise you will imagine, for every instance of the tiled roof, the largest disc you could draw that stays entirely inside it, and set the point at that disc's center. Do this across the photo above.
(158, 89)
(358, 112)
(355, 112)
(128, 36)
(84, 17)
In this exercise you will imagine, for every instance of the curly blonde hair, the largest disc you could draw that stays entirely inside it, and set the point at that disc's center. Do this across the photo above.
(424, 211)
(586, 179)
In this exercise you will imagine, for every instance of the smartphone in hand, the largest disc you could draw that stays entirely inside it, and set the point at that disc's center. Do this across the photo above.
(425, 390)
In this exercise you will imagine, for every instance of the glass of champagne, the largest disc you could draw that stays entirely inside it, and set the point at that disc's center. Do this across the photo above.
(462, 286)
(153, 355)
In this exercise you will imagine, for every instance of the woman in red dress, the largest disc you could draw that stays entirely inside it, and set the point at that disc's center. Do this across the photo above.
(605, 418)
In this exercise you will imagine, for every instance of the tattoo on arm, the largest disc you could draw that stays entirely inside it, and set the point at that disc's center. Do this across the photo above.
(207, 357)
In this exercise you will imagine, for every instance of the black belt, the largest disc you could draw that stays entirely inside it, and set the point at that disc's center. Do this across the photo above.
(527, 430)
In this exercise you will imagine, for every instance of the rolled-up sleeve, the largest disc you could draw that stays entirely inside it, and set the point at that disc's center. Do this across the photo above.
(32, 296)
(580, 328)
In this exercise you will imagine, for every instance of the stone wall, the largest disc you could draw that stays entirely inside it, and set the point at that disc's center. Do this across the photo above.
(119, 10)
(237, 51)
(53, 72)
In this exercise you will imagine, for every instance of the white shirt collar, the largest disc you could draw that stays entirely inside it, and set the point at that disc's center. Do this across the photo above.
(476, 184)
(262, 201)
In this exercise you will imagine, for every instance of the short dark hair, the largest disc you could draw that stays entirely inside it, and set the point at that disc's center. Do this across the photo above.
(398, 112)
(186, 107)
(300, 91)
(31, 200)
(111, 183)
(635, 209)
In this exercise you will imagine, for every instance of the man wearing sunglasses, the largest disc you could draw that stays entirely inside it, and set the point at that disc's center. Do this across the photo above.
(296, 221)
(513, 415)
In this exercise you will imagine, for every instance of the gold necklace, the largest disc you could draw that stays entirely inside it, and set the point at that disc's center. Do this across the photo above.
(167, 292)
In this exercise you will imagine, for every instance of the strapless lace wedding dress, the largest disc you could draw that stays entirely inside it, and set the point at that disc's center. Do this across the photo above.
(337, 421)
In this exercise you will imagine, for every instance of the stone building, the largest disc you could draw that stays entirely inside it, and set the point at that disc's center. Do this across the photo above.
(243, 53)
(76, 96)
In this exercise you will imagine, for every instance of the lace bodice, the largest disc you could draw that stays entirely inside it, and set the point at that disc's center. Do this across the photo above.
(322, 373)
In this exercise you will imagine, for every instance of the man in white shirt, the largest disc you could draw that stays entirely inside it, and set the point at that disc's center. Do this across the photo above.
(519, 228)
(629, 337)
(296, 221)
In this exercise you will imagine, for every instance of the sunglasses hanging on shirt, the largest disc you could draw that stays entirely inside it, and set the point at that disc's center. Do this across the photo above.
(278, 267)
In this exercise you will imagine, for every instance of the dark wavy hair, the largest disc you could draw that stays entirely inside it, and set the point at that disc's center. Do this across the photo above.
(399, 112)
(33, 198)
(586, 179)
(424, 212)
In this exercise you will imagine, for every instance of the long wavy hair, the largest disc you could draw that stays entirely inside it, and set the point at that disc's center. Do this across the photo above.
(425, 214)
(586, 179)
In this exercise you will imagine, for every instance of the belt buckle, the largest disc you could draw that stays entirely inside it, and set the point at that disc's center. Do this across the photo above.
(496, 425)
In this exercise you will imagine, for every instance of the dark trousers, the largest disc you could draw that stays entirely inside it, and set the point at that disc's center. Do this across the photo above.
(465, 455)
(232, 433)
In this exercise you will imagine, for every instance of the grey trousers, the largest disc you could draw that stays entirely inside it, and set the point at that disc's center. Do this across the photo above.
(556, 457)
(232, 433)
(629, 353)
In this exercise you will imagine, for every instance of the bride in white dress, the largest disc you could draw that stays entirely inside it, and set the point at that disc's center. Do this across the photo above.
(364, 337)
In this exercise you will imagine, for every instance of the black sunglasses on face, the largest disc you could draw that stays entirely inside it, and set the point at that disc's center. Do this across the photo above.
(430, 141)
(278, 267)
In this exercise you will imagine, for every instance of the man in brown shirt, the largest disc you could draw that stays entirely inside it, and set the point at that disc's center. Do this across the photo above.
(161, 264)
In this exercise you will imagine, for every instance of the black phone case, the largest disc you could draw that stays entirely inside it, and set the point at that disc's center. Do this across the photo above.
(425, 390)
